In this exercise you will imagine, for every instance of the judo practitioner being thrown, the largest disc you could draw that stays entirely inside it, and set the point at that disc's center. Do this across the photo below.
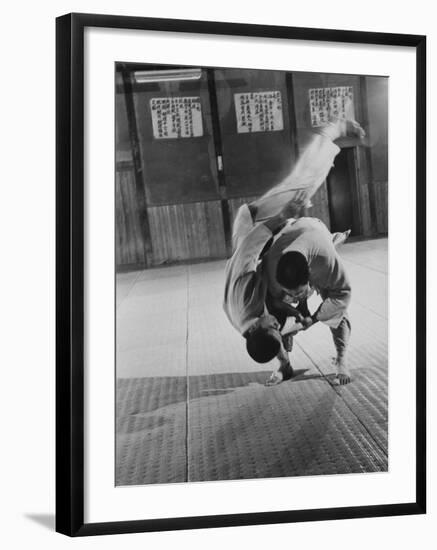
(279, 260)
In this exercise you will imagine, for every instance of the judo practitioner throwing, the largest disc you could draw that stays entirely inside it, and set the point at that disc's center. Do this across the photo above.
(279, 259)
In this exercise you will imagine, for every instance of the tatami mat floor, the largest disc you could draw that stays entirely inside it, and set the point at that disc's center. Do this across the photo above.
(192, 406)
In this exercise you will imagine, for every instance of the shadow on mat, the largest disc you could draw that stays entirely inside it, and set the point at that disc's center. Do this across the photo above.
(300, 376)
(314, 456)
(136, 396)
(233, 431)
(248, 442)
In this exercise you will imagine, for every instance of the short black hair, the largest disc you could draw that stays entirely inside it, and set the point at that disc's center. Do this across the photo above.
(262, 345)
(292, 270)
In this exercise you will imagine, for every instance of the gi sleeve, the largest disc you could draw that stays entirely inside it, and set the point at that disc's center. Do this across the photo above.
(244, 289)
(249, 249)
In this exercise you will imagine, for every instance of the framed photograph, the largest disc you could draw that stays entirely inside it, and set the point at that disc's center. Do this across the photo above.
(240, 274)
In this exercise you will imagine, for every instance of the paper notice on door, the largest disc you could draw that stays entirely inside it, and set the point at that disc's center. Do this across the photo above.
(328, 102)
(176, 117)
(259, 112)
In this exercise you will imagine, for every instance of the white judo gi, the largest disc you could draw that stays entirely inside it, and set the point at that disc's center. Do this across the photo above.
(245, 286)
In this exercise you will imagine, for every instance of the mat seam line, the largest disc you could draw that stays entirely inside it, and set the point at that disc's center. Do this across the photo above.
(128, 292)
(378, 445)
(385, 454)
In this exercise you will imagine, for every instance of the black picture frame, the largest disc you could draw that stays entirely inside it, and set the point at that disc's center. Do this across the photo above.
(70, 273)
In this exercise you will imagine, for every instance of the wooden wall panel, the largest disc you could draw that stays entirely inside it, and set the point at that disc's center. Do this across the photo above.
(366, 222)
(234, 205)
(366, 208)
(123, 147)
(377, 113)
(215, 229)
(129, 246)
(186, 232)
(381, 195)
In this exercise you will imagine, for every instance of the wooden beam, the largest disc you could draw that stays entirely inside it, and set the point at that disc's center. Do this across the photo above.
(140, 191)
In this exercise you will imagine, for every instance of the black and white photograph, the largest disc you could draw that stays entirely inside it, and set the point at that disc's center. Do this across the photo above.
(251, 272)
(217, 264)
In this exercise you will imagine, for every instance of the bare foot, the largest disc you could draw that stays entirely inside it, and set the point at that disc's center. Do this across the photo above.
(353, 128)
(275, 379)
(284, 372)
(343, 375)
(345, 126)
(339, 238)
(343, 379)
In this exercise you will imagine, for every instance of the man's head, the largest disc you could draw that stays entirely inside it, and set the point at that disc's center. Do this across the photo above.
(293, 274)
(263, 340)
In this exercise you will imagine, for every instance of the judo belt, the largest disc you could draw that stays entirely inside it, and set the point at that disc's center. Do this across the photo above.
(253, 212)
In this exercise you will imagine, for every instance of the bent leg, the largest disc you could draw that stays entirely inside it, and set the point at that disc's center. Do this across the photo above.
(284, 370)
(341, 337)
(307, 175)
(311, 168)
